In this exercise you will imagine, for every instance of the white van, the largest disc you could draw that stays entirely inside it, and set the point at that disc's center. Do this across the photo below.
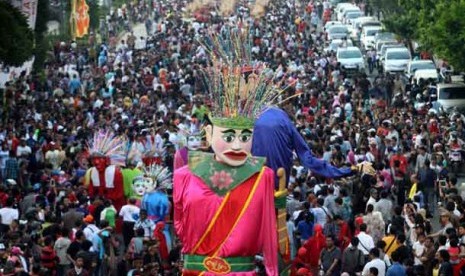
(451, 95)
(367, 39)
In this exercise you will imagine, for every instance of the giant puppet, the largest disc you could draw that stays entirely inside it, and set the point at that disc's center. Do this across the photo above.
(224, 210)
(104, 179)
(157, 180)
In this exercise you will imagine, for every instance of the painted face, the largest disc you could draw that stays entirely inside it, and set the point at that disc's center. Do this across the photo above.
(100, 163)
(142, 185)
(231, 146)
(194, 142)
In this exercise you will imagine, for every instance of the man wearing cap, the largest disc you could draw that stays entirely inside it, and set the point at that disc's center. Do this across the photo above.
(90, 229)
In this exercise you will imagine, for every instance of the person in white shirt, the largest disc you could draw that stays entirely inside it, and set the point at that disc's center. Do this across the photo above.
(375, 261)
(366, 242)
(320, 212)
(129, 213)
(372, 199)
(91, 228)
(8, 214)
(4, 154)
(418, 247)
(23, 150)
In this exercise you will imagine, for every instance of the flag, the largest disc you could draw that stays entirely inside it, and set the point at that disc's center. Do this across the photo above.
(79, 18)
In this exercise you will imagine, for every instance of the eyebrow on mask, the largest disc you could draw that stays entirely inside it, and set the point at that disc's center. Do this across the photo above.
(229, 131)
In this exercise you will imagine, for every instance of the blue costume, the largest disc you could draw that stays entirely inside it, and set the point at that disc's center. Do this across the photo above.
(276, 138)
(157, 205)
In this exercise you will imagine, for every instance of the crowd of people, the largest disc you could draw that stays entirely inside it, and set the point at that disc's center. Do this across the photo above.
(377, 222)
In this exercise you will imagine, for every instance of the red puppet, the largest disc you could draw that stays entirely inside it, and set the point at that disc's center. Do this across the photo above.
(105, 179)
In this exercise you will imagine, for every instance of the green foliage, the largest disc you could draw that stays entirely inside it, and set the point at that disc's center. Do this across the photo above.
(446, 34)
(438, 25)
(41, 43)
(94, 14)
(16, 38)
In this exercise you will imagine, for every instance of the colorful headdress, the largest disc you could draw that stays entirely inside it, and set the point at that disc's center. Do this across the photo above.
(240, 88)
(149, 149)
(159, 176)
(106, 143)
(134, 155)
(184, 132)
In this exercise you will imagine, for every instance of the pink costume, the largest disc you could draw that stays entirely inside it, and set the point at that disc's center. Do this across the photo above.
(195, 205)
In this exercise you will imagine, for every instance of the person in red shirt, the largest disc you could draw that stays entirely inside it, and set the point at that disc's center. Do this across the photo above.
(398, 165)
(345, 234)
(402, 162)
(48, 256)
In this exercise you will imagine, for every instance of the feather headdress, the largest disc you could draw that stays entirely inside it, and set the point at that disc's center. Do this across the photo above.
(134, 155)
(149, 149)
(240, 88)
(106, 143)
(160, 176)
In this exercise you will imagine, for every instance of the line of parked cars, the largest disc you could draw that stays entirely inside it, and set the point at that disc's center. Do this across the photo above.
(352, 34)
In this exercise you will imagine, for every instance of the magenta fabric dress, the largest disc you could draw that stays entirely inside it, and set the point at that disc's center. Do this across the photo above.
(195, 204)
(180, 158)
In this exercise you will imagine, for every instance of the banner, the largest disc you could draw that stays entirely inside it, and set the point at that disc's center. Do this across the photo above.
(29, 9)
(79, 18)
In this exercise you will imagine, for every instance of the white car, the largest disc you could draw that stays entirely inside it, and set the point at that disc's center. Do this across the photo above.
(332, 23)
(367, 39)
(451, 95)
(415, 65)
(426, 74)
(350, 59)
(345, 8)
(346, 11)
(356, 25)
(336, 43)
(337, 32)
(341, 6)
(350, 16)
(396, 60)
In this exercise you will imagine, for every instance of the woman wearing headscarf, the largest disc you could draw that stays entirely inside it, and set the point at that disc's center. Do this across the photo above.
(314, 245)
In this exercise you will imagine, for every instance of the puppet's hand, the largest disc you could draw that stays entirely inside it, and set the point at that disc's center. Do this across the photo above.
(355, 169)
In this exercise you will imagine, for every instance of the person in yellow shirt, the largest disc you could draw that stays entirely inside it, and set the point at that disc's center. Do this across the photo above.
(414, 188)
(391, 242)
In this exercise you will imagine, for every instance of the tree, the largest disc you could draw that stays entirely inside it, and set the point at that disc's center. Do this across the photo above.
(16, 38)
(445, 34)
(41, 43)
(94, 14)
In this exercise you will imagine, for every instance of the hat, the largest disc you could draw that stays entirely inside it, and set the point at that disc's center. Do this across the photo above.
(241, 88)
(11, 181)
(372, 130)
(88, 219)
(16, 250)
